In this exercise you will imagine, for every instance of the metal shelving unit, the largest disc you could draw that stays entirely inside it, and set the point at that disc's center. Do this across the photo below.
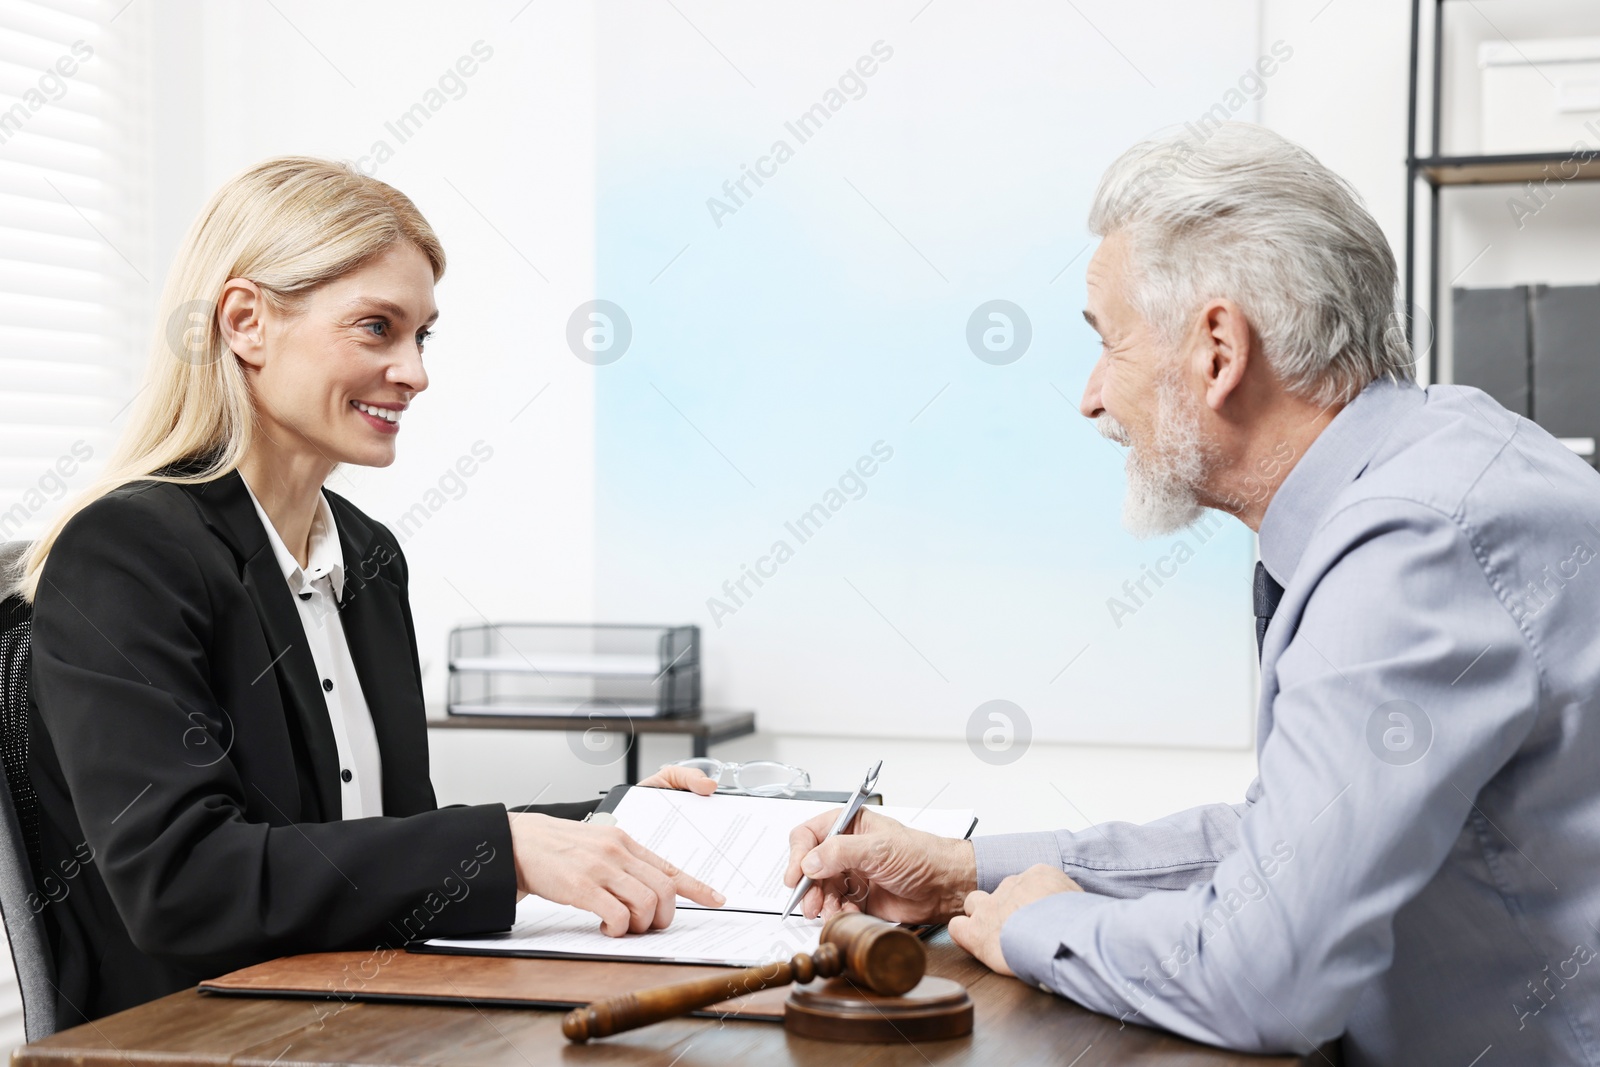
(1441, 172)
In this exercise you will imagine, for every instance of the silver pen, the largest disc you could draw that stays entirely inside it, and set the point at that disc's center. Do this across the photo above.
(868, 784)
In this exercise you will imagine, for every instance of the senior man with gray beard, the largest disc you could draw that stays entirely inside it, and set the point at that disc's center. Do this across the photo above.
(1417, 865)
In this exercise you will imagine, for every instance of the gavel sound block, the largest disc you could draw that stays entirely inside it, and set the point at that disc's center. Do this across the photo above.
(876, 993)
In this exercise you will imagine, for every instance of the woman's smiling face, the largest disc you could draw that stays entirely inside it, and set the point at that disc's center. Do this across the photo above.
(334, 380)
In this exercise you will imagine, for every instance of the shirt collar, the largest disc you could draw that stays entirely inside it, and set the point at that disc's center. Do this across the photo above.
(326, 558)
(1336, 458)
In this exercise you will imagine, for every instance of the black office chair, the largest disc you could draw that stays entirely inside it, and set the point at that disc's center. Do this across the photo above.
(19, 811)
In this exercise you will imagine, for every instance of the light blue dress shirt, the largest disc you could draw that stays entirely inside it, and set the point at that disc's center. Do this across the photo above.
(1417, 865)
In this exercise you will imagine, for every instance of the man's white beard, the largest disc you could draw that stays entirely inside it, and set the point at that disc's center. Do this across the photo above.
(1164, 475)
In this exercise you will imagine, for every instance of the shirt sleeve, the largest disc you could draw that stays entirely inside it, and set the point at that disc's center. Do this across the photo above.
(1406, 686)
(1121, 859)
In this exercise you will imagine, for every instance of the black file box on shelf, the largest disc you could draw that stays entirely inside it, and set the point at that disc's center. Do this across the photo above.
(1566, 363)
(1491, 345)
(579, 669)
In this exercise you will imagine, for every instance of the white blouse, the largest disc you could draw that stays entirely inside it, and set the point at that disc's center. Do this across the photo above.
(317, 589)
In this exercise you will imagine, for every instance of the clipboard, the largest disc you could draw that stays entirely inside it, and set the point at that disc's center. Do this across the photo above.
(482, 981)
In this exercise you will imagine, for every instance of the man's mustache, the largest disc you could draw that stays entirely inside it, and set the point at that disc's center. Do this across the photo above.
(1112, 430)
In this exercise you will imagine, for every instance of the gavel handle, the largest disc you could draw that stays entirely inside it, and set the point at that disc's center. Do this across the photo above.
(616, 1014)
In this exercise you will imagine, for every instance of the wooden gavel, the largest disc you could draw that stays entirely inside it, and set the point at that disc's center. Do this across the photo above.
(883, 957)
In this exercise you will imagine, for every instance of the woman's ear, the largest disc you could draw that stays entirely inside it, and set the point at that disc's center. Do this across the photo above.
(239, 319)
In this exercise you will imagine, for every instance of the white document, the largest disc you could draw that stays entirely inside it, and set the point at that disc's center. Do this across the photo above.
(739, 845)
(732, 939)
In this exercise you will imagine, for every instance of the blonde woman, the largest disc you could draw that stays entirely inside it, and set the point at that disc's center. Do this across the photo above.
(228, 738)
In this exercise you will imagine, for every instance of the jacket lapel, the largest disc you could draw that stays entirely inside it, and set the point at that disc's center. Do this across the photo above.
(374, 615)
(225, 505)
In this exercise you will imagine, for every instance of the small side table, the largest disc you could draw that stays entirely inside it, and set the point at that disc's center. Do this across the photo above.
(710, 727)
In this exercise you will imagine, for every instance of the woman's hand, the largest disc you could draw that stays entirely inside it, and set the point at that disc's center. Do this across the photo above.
(672, 776)
(600, 869)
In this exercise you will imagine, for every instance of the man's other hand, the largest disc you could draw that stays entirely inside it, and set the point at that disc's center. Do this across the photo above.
(978, 931)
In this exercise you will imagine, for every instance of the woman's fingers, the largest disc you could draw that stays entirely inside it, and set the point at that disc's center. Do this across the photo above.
(689, 779)
(615, 916)
(629, 900)
(641, 900)
(601, 870)
(665, 892)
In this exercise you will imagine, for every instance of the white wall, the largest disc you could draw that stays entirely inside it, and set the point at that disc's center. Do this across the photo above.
(985, 551)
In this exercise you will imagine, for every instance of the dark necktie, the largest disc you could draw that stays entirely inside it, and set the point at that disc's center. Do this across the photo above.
(1267, 594)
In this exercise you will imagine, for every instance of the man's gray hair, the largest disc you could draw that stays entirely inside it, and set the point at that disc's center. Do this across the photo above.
(1247, 215)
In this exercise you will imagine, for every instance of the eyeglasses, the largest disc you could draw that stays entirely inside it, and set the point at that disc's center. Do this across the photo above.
(760, 778)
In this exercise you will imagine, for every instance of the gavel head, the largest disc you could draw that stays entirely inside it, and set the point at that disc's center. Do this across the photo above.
(885, 958)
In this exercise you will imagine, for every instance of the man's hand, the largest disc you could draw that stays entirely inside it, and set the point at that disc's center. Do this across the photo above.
(978, 931)
(672, 776)
(600, 869)
(880, 867)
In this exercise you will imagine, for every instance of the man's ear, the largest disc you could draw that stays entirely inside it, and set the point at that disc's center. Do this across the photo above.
(239, 319)
(1225, 350)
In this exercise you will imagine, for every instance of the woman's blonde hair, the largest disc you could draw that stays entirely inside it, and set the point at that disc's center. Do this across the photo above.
(288, 224)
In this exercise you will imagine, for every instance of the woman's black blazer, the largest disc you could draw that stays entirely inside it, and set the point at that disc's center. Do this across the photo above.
(185, 763)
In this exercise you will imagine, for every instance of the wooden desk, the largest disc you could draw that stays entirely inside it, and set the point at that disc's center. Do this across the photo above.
(708, 728)
(1015, 1025)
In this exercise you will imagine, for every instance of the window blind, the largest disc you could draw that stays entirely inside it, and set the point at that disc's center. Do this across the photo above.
(75, 289)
